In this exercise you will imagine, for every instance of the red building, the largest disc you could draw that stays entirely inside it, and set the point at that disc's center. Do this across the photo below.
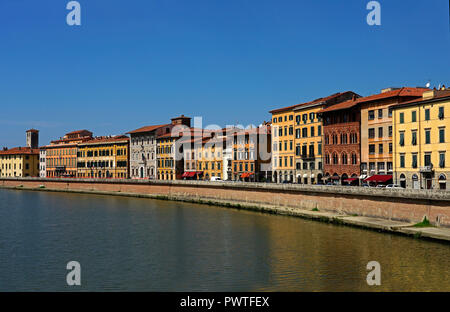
(342, 142)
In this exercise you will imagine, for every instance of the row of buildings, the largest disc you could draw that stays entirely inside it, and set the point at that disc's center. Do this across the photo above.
(397, 136)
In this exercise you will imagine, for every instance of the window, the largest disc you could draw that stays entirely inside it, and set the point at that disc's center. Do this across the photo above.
(380, 149)
(413, 116)
(354, 159)
(380, 132)
(427, 160)
(335, 159)
(414, 138)
(442, 160)
(371, 133)
(441, 135)
(390, 148)
(319, 130)
(344, 159)
(380, 113)
(402, 139)
(414, 161)
(390, 131)
(427, 136)
(390, 112)
(312, 131)
(380, 166)
(344, 138)
(297, 133)
(402, 118)
(427, 114)
(402, 161)
(319, 149)
(371, 115)
(305, 132)
(441, 112)
(372, 149)
(297, 150)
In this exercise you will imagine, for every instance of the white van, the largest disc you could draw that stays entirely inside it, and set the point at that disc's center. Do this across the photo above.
(215, 179)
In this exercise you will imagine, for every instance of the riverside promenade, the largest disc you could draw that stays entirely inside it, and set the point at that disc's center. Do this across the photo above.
(385, 210)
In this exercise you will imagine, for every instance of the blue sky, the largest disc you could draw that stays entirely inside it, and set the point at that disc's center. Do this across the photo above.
(141, 62)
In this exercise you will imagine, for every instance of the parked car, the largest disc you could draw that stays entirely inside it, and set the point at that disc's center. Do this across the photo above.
(394, 186)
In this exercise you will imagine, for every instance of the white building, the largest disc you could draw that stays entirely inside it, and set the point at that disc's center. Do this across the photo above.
(42, 163)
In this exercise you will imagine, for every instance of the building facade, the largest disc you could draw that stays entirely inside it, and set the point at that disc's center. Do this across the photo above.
(297, 138)
(169, 149)
(42, 163)
(104, 158)
(342, 145)
(422, 141)
(61, 155)
(143, 144)
(21, 161)
(252, 154)
(377, 129)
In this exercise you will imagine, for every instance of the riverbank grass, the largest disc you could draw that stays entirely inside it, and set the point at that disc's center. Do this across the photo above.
(425, 223)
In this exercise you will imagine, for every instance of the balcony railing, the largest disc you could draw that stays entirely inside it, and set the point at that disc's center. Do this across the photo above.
(426, 169)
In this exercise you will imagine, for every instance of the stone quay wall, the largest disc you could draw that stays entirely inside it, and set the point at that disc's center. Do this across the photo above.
(391, 204)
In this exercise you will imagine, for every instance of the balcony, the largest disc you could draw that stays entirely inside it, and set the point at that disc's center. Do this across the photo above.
(426, 169)
(308, 157)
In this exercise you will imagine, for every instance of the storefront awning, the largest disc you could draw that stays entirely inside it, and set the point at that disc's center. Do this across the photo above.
(349, 180)
(379, 178)
(189, 174)
(335, 178)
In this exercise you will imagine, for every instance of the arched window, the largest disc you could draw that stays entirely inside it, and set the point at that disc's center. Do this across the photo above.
(335, 138)
(327, 139)
(327, 159)
(442, 182)
(353, 138)
(354, 159)
(335, 159)
(344, 159)
(344, 138)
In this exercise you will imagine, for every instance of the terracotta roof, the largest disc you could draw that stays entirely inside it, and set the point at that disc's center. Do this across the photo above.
(421, 100)
(78, 132)
(317, 101)
(193, 132)
(20, 151)
(340, 106)
(148, 128)
(402, 92)
(118, 138)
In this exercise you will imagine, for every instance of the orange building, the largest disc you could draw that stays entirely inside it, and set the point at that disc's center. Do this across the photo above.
(252, 150)
(61, 155)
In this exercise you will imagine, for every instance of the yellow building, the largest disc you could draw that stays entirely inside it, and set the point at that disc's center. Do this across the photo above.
(104, 157)
(422, 141)
(19, 162)
(297, 140)
(209, 158)
(283, 152)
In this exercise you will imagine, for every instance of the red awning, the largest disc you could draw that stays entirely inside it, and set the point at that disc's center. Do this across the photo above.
(334, 178)
(378, 178)
(350, 180)
(244, 175)
(189, 174)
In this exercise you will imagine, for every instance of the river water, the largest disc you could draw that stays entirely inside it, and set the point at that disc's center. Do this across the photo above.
(136, 244)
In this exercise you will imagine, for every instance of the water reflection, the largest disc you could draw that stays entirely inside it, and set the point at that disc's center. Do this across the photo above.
(146, 245)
